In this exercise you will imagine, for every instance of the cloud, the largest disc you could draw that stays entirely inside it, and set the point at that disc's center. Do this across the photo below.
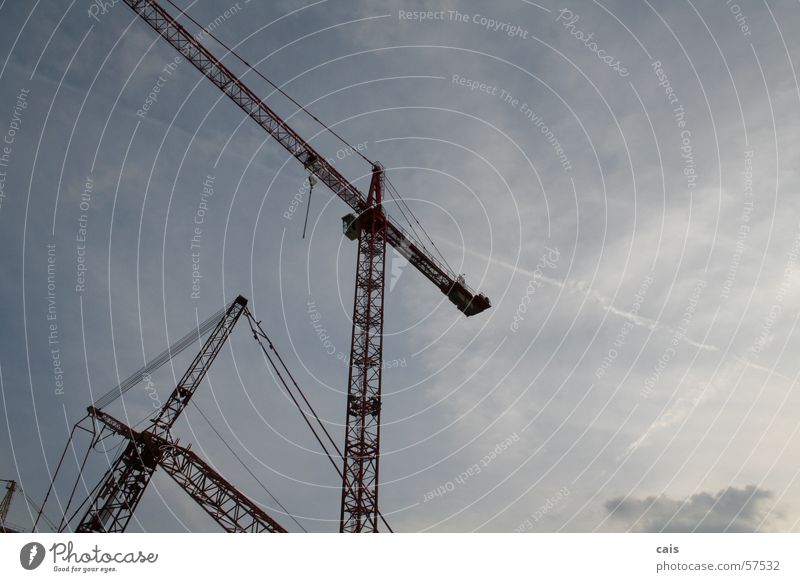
(729, 510)
(698, 394)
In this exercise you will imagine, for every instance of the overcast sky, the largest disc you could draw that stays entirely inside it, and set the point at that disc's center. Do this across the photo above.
(618, 177)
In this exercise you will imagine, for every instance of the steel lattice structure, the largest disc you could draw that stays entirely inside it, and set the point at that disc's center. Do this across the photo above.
(359, 508)
(221, 500)
(373, 229)
(113, 506)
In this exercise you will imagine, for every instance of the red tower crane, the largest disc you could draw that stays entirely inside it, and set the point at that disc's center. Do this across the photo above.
(374, 229)
(111, 509)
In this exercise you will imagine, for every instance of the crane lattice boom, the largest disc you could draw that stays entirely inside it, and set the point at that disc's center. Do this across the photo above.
(204, 61)
(221, 500)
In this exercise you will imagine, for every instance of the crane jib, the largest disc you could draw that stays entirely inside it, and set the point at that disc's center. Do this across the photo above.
(204, 61)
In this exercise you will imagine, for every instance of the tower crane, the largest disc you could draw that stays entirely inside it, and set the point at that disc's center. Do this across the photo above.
(373, 229)
(112, 507)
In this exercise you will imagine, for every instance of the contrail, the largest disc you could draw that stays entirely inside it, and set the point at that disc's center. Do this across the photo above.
(583, 288)
(685, 404)
(770, 371)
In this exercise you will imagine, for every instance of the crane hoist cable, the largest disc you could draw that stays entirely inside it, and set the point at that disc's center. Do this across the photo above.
(262, 76)
(58, 468)
(32, 503)
(77, 481)
(66, 521)
(258, 335)
(391, 190)
(246, 468)
(95, 439)
(311, 181)
(402, 203)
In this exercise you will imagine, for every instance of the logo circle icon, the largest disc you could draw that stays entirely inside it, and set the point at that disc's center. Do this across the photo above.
(31, 555)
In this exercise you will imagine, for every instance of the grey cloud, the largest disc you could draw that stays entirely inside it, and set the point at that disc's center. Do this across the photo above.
(729, 510)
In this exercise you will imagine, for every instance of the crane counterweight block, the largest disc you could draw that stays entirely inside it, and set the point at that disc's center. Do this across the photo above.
(456, 290)
(466, 302)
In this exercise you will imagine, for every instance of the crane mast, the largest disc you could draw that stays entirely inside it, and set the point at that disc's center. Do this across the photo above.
(374, 229)
(359, 507)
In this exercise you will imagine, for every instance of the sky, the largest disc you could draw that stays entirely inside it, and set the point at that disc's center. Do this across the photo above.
(619, 178)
